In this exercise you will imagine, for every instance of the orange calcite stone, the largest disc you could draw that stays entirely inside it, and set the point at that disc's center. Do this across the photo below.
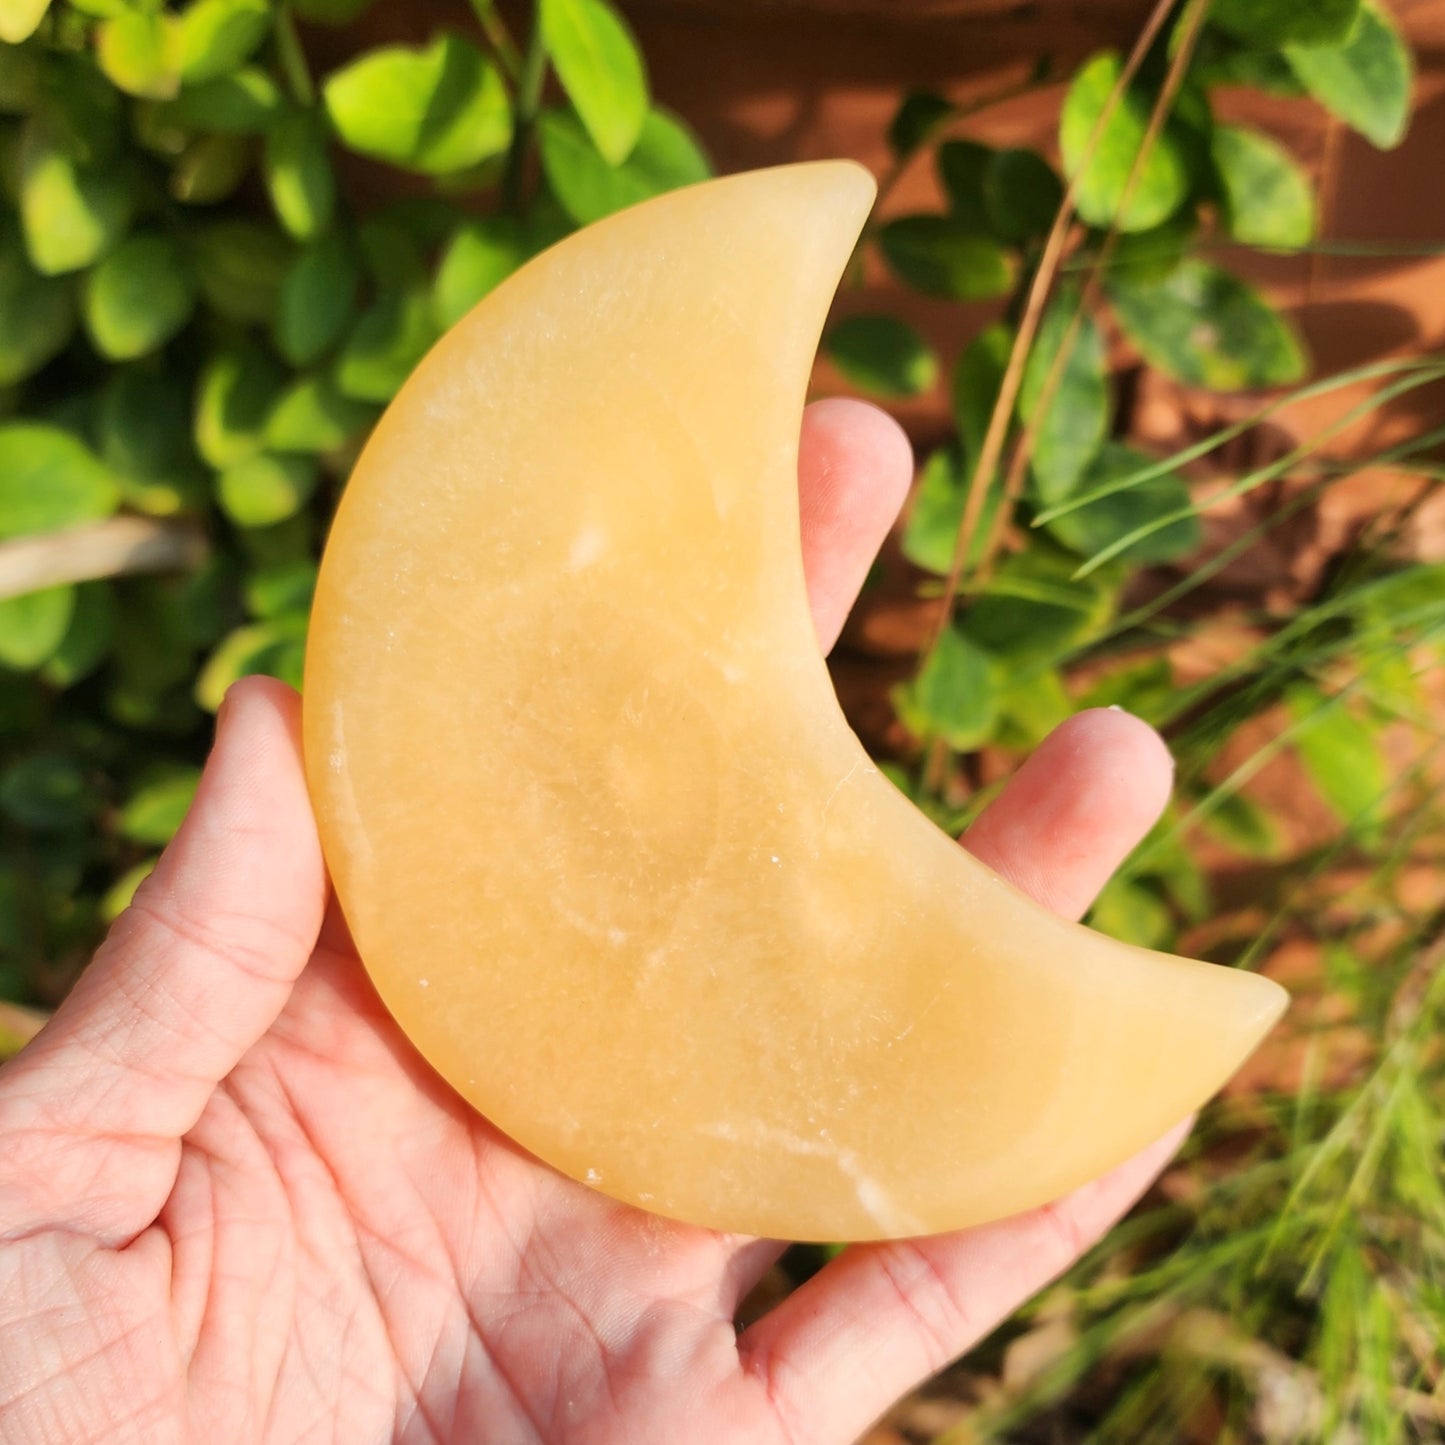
(608, 848)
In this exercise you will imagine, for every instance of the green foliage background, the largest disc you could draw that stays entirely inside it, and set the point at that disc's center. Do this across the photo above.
(199, 323)
(198, 326)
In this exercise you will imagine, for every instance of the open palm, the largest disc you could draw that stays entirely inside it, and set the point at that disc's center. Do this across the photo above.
(235, 1204)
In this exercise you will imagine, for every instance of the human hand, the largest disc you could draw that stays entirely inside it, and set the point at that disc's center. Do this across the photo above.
(235, 1204)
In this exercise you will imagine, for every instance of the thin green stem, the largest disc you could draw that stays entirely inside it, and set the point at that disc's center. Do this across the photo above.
(292, 56)
(509, 57)
(529, 102)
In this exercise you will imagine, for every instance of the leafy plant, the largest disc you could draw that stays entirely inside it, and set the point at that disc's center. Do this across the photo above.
(199, 322)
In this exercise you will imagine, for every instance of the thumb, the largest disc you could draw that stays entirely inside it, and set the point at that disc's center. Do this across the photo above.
(192, 975)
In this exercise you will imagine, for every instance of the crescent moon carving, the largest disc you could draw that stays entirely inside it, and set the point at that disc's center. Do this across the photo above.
(608, 849)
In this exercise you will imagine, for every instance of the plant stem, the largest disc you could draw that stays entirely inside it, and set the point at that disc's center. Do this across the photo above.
(1053, 254)
(499, 38)
(529, 102)
(1189, 32)
(293, 58)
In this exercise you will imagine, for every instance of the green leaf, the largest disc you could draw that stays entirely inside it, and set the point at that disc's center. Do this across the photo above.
(1342, 756)
(882, 355)
(915, 120)
(282, 590)
(597, 60)
(435, 110)
(266, 488)
(33, 625)
(49, 480)
(37, 313)
(1146, 689)
(1069, 433)
(88, 639)
(962, 166)
(79, 109)
(384, 346)
(241, 266)
(138, 298)
(1208, 328)
(312, 415)
(1269, 24)
(46, 793)
(1034, 609)
(237, 391)
(211, 169)
(217, 37)
(145, 439)
(1146, 258)
(667, 155)
(19, 80)
(1243, 827)
(140, 53)
(265, 647)
(1268, 198)
(1367, 81)
(245, 103)
(1031, 707)
(479, 256)
(318, 298)
(977, 382)
(117, 898)
(954, 696)
(1133, 912)
(941, 256)
(158, 806)
(1163, 181)
(1093, 528)
(298, 173)
(72, 215)
(930, 533)
(19, 19)
(1021, 195)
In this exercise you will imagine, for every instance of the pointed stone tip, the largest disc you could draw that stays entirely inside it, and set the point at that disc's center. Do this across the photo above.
(1259, 1003)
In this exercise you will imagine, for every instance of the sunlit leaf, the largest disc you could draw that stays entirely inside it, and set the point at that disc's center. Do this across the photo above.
(266, 488)
(384, 346)
(19, 19)
(597, 60)
(436, 110)
(138, 298)
(1162, 182)
(158, 805)
(140, 52)
(1367, 81)
(312, 415)
(297, 168)
(1268, 198)
(72, 214)
(216, 37)
(667, 155)
(49, 480)
(954, 696)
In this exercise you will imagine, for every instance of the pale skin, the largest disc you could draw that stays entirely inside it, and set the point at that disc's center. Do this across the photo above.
(236, 1205)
